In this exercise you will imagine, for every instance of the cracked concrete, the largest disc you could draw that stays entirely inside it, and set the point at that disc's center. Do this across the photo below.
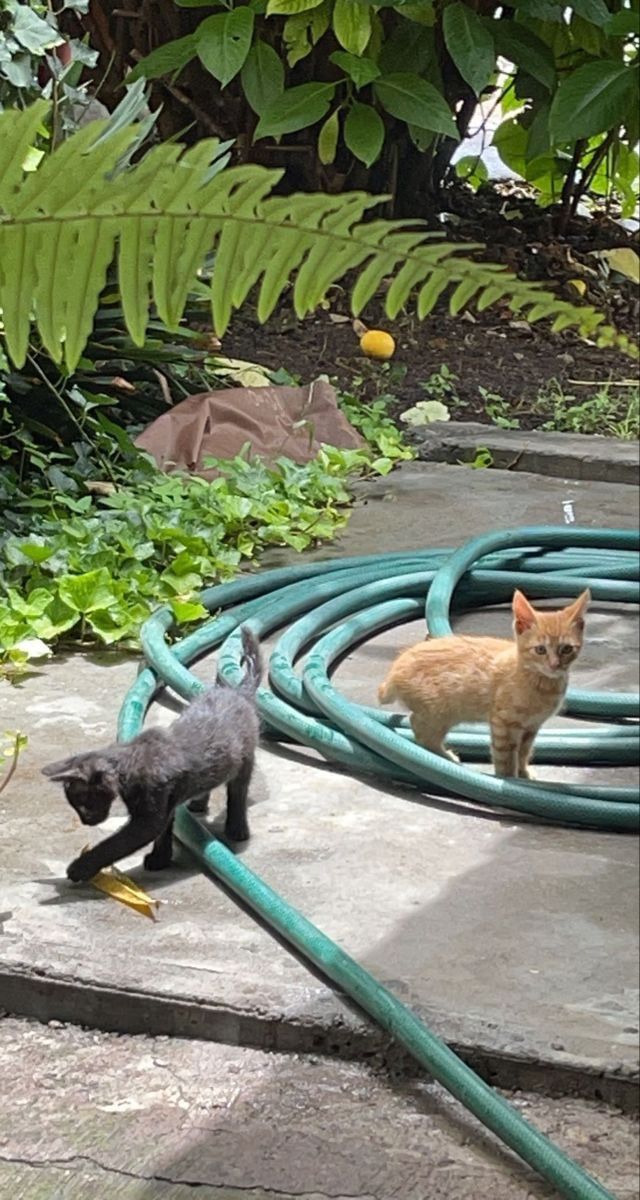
(516, 942)
(135, 1118)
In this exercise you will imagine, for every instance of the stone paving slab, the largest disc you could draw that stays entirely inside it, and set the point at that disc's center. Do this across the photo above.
(91, 1115)
(517, 942)
(580, 456)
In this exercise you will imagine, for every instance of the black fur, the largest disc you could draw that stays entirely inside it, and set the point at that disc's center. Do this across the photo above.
(212, 742)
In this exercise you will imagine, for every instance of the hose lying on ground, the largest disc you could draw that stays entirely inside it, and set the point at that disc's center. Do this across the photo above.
(372, 594)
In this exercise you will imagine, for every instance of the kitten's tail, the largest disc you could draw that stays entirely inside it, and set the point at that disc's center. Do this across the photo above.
(386, 692)
(251, 660)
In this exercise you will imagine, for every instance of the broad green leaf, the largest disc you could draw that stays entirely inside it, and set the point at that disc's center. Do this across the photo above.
(300, 33)
(593, 99)
(538, 143)
(410, 48)
(540, 10)
(290, 7)
(364, 132)
(188, 610)
(521, 47)
(296, 108)
(328, 139)
(595, 11)
(32, 32)
(511, 141)
(470, 44)
(223, 42)
(262, 76)
(623, 23)
(360, 70)
(165, 59)
(415, 101)
(472, 170)
(421, 11)
(352, 25)
(89, 592)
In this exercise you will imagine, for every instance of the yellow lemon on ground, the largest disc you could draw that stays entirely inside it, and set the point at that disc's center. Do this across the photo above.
(375, 343)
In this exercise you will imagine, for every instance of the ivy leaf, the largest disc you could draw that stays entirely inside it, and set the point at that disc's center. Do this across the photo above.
(262, 76)
(328, 139)
(364, 132)
(352, 25)
(32, 32)
(89, 592)
(521, 47)
(188, 610)
(593, 99)
(415, 101)
(360, 70)
(470, 45)
(296, 108)
(165, 59)
(223, 42)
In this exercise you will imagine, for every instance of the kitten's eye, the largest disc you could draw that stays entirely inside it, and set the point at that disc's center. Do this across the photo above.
(566, 649)
(540, 649)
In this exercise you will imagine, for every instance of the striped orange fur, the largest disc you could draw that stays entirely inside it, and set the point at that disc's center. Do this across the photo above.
(514, 685)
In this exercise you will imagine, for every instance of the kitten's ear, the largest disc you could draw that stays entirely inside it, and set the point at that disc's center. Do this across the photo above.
(63, 771)
(575, 612)
(524, 614)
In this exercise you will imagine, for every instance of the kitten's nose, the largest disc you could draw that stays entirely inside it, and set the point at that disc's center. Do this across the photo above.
(554, 662)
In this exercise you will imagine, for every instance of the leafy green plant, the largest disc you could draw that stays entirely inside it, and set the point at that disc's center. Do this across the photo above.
(611, 410)
(498, 410)
(161, 217)
(10, 751)
(36, 58)
(91, 565)
(396, 84)
(481, 461)
(380, 431)
(441, 386)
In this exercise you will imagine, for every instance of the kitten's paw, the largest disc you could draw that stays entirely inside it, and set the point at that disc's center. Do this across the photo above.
(80, 870)
(200, 804)
(452, 756)
(528, 773)
(237, 833)
(156, 862)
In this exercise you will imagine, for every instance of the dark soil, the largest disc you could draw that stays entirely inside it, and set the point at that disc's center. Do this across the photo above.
(494, 350)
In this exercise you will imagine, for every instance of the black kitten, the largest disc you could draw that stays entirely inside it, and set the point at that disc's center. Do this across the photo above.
(212, 742)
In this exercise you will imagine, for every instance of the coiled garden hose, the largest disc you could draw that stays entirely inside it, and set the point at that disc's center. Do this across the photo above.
(373, 593)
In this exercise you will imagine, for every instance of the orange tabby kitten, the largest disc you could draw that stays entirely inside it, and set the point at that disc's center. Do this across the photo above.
(514, 685)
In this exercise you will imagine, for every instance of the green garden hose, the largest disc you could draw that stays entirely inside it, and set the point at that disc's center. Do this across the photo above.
(372, 594)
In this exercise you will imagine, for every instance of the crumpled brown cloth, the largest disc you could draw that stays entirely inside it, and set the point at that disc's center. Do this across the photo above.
(275, 421)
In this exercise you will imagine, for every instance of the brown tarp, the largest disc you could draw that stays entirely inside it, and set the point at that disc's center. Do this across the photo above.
(289, 422)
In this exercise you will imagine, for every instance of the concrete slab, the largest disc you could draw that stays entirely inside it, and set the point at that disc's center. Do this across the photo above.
(517, 942)
(93, 1115)
(579, 456)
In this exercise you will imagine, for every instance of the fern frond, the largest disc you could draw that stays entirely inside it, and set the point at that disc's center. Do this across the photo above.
(63, 225)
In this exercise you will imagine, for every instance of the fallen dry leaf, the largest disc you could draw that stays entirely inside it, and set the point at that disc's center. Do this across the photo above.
(578, 285)
(624, 260)
(121, 888)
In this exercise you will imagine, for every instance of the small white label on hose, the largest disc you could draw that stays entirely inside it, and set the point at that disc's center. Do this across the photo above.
(569, 515)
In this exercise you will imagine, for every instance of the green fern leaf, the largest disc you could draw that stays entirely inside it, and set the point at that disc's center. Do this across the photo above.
(86, 206)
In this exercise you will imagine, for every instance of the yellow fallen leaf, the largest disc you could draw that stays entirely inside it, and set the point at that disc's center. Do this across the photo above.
(579, 285)
(625, 261)
(245, 373)
(121, 888)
